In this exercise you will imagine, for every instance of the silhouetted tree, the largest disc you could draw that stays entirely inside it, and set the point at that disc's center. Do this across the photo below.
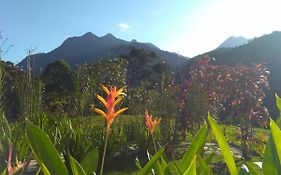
(59, 86)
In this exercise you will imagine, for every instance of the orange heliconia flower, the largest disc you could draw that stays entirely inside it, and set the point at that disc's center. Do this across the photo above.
(111, 101)
(151, 123)
(19, 165)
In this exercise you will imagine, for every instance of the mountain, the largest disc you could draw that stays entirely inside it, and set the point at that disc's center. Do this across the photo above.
(265, 49)
(233, 41)
(90, 48)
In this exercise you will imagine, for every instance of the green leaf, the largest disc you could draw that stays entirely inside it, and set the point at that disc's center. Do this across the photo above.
(44, 150)
(191, 170)
(242, 171)
(145, 170)
(203, 169)
(225, 150)
(76, 167)
(209, 158)
(4, 172)
(278, 102)
(196, 146)
(276, 134)
(165, 166)
(271, 163)
(138, 164)
(90, 162)
(158, 169)
(174, 168)
(44, 169)
(161, 167)
(253, 168)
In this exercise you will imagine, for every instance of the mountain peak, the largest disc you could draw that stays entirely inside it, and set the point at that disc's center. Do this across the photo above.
(89, 35)
(233, 41)
(109, 35)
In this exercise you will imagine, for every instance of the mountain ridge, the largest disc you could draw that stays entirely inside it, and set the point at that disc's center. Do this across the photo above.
(89, 48)
(261, 50)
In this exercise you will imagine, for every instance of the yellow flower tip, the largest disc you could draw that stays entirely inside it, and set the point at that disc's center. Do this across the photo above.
(101, 99)
(119, 92)
(120, 111)
(105, 89)
(158, 121)
(117, 101)
(99, 111)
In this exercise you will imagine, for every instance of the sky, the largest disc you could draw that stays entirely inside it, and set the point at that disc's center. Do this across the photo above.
(188, 27)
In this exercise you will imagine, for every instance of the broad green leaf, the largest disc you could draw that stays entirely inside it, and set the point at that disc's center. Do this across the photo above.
(4, 172)
(243, 171)
(203, 169)
(76, 167)
(276, 134)
(191, 170)
(174, 168)
(161, 167)
(209, 158)
(44, 169)
(158, 169)
(253, 168)
(225, 150)
(271, 163)
(90, 162)
(145, 170)
(196, 146)
(44, 150)
(138, 164)
(278, 102)
(165, 166)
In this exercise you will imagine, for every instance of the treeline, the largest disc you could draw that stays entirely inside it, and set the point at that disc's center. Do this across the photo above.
(61, 90)
(234, 94)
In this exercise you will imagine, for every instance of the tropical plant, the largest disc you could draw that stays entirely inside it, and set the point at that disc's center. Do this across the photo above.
(50, 161)
(234, 93)
(113, 98)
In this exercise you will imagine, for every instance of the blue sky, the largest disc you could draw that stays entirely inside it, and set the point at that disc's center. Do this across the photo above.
(188, 27)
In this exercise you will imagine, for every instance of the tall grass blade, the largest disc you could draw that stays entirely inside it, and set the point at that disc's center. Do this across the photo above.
(196, 146)
(271, 161)
(276, 135)
(192, 168)
(225, 150)
(76, 167)
(146, 169)
(90, 162)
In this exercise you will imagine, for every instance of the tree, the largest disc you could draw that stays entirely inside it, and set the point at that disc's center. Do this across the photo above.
(237, 92)
(90, 76)
(58, 87)
(143, 65)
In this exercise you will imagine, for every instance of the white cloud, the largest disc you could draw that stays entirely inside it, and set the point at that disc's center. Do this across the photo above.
(123, 26)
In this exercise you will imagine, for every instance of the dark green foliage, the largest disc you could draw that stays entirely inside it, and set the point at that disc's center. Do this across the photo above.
(89, 77)
(143, 65)
(9, 97)
(59, 86)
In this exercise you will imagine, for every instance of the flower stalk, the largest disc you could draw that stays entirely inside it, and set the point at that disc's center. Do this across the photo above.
(112, 99)
(151, 124)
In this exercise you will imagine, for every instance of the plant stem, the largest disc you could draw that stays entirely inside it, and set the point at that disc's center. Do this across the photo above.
(154, 143)
(104, 149)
